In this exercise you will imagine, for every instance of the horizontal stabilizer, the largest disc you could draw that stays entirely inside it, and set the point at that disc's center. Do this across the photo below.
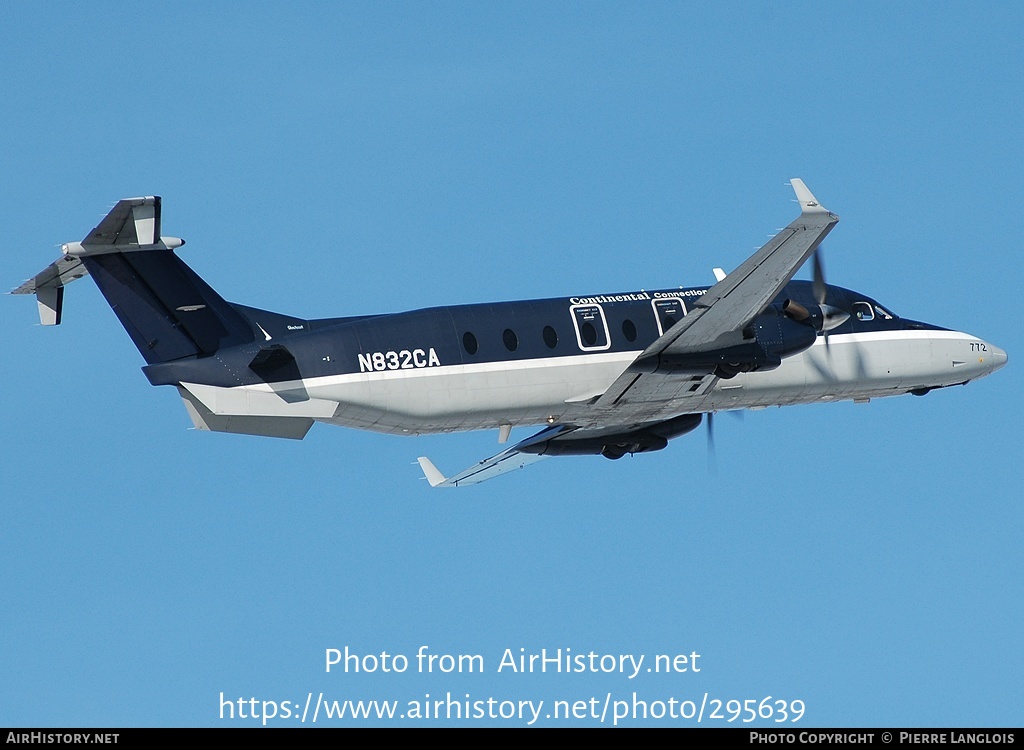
(48, 286)
(133, 221)
(131, 225)
(59, 273)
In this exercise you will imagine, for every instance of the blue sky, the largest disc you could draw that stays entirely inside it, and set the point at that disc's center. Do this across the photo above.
(327, 159)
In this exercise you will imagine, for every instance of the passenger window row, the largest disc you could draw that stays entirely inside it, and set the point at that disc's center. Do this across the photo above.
(592, 333)
(589, 337)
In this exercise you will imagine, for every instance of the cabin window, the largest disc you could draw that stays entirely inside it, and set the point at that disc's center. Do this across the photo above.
(863, 311)
(591, 327)
(629, 330)
(550, 337)
(469, 343)
(589, 333)
(510, 339)
(883, 312)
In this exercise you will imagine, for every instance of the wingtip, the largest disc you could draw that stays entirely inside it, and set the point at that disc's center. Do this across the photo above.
(434, 477)
(808, 203)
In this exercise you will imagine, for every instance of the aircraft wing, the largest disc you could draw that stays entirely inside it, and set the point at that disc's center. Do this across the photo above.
(718, 318)
(716, 322)
(508, 460)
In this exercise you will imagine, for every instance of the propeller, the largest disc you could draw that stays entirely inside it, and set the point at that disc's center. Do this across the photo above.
(712, 456)
(819, 286)
(712, 460)
(831, 317)
(820, 289)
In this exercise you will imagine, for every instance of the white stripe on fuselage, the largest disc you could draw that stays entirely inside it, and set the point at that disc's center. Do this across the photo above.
(532, 391)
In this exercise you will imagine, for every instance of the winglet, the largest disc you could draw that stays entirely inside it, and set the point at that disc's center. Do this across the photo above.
(808, 203)
(430, 472)
(51, 304)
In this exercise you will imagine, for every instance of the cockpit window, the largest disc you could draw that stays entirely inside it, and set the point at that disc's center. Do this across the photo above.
(883, 312)
(863, 311)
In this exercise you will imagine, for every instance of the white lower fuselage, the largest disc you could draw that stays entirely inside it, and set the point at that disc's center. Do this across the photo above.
(852, 366)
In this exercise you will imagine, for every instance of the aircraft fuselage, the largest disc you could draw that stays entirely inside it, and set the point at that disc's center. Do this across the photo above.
(542, 361)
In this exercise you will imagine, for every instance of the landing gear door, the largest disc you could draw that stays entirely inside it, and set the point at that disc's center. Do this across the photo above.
(668, 312)
(591, 327)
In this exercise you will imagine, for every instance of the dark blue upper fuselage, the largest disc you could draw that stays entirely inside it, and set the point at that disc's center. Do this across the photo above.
(480, 333)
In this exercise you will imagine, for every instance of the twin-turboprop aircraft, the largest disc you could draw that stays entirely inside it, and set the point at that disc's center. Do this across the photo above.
(609, 374)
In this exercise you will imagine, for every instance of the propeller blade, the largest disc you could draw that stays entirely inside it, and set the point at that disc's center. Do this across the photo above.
(820, 290)
(712, 459)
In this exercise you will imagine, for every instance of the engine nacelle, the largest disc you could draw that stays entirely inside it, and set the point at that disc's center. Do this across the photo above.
(793, 336)
(646, 440)
(821, 317)
(771, 337)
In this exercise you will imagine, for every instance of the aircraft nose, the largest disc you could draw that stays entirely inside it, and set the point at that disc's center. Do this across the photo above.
(996, 358)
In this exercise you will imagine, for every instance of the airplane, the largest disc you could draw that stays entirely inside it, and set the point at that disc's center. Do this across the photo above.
(606, 374)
